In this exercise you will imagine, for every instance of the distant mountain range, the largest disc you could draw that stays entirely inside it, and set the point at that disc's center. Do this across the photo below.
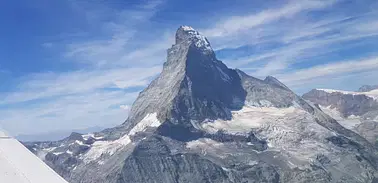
(367, 88)
(200, 121)
(55, 135)
(357, 111)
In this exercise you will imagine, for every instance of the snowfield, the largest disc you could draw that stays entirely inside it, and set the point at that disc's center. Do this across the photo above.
(350, 122)
(289, 130)
(372, 94)
(248, 118)
(110, 147)
(19, 165)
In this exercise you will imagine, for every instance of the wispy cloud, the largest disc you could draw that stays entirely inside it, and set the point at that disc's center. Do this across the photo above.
(114, 67)
(305, 76)
(300, 42)
(116, 41)
(97, 108)
(278, 40)
(251, 26)
(47, 85)
(47, 45)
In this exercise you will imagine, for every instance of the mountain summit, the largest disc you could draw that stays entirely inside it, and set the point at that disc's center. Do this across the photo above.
(188, 34)
(200, 121)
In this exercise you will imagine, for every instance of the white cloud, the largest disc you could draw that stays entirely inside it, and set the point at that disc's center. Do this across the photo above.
(116, 38)
(289, 35)
(46, 85)
(99, 94)
(47, 45)
(116, 59)
(304, 76)
(68, 112)
(73, 100)
(152, 4)
(237, 24)
(125, 107)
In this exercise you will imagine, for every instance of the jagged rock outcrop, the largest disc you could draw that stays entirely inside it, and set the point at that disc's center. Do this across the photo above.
(200, 121)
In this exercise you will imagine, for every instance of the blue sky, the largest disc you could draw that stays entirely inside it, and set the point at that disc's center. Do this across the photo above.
(74, 64)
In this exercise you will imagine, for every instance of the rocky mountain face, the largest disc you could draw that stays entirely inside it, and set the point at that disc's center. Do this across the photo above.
(357, 111)
(200, 121)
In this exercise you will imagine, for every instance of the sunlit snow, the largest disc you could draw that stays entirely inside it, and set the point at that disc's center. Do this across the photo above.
(372, 94)
(247, 118)
(349, 122)
(110, 147)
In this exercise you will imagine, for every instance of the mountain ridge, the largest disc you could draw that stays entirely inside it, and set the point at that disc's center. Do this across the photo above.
(357, 111)
(200, 121)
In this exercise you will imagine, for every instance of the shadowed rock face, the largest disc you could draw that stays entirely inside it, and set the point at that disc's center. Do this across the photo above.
(200, 121)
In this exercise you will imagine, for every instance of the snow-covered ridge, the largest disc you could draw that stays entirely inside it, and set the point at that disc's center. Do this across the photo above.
(201, 41)
(372, 94)
(187, 28)
(110, 147)
(91, 135)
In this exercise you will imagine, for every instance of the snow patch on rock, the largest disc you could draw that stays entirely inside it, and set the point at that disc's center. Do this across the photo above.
(91, 135)
(205, 146)
(350, 122)
(149, 121)
(57, 153)
(203, 142)
(248, 118)
(105, 147)
(110, 147)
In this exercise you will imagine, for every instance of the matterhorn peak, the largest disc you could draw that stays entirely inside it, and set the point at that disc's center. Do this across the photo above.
(204, 122)
(188, 34)
(186, 28)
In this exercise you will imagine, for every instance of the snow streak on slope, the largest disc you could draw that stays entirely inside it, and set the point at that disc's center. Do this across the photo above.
(248, 118)
(149, 121)
(349, 122)
(19, 165)
(110, 147)
(372, 94)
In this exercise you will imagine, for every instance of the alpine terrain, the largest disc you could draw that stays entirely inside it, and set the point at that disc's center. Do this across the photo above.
(200, 121)
(357, 111)
(19, 165)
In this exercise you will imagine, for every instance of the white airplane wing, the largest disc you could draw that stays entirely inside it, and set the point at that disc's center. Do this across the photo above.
(19, 165)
